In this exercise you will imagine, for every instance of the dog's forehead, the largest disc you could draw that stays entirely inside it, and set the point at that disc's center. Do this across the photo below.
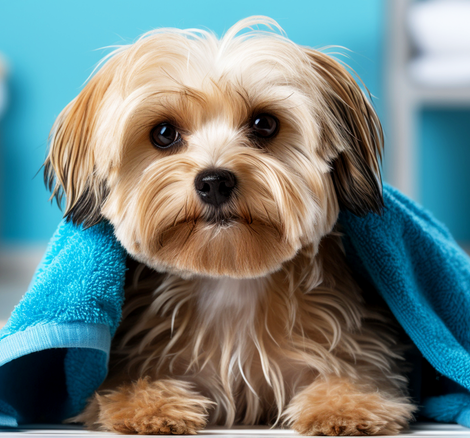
(192, 82)
(252, 64)
(229, 99)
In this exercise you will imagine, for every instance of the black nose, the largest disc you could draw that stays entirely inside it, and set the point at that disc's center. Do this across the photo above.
(215, 186)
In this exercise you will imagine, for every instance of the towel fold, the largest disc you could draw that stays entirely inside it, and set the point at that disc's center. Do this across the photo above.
(54, 349)
(424, 277)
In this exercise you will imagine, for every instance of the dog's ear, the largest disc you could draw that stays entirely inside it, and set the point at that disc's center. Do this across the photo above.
(351, 136)
(69, 167)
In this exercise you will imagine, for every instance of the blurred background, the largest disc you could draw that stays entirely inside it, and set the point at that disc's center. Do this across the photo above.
(414, 56)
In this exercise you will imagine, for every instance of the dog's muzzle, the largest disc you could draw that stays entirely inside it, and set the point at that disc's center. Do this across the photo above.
(215, 186)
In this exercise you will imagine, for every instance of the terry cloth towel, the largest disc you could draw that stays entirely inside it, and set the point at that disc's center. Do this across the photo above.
(54, 348)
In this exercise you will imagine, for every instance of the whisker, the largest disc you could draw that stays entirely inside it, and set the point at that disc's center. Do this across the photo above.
(271, 221)
(252, 229)
(177, 214)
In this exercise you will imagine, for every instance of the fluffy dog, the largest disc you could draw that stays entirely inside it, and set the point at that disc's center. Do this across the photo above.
(222, 165)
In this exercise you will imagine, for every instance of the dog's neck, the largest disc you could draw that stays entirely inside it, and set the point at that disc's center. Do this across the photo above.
(211, 301)
(229, 297)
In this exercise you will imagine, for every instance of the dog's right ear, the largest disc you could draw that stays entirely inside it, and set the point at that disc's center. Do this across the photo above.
(351, 136)
(69, 167)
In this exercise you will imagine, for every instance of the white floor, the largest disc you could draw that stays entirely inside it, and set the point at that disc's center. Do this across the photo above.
(417, 430)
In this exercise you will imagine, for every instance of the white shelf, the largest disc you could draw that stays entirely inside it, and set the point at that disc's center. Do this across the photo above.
(405, 99)
(417, 430)
(442, 96)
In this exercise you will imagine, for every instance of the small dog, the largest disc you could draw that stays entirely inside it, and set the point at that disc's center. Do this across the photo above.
(223, 165)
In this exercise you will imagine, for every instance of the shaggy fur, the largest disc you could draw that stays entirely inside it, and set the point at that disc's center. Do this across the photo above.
(245, 312)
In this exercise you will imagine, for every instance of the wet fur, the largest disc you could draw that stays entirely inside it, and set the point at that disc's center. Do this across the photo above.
(253, 317)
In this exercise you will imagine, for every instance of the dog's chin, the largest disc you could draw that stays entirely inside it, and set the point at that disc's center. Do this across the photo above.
(217, 247)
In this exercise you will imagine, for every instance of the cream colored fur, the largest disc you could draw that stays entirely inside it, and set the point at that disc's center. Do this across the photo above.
(253, 317)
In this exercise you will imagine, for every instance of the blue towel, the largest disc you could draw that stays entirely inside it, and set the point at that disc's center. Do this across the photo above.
(54, 349)
(424, 276)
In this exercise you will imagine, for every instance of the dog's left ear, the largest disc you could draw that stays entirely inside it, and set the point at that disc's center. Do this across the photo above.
(69, 167)
(351, 136)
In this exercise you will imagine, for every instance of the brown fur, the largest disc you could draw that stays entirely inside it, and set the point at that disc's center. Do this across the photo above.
(253, 317)
(339, 407)
(145, 407)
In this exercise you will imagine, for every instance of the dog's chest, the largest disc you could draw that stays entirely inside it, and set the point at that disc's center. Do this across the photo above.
(233, 302)
(225, 335)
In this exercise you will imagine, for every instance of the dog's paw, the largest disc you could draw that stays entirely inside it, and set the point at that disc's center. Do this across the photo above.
(341, 424)
(339, 408)
(148, 408)
(154, 425)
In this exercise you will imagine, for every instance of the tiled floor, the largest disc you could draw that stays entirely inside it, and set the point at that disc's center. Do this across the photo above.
(418, 430)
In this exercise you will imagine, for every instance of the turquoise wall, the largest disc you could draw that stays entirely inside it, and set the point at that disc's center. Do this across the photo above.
(445, 167)
(51, 46)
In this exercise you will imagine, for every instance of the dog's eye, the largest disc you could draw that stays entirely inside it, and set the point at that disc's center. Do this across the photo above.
(164, 135)
(265, 125)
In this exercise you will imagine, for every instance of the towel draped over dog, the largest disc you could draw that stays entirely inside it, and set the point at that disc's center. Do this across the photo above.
(55, 347)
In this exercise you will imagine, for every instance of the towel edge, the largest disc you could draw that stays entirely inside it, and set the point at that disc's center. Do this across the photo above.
(48, 336)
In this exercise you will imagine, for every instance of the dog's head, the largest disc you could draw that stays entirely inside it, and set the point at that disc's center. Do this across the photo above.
(217, 157)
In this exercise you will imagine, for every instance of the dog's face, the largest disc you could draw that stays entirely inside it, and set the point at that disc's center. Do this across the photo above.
(217, 157)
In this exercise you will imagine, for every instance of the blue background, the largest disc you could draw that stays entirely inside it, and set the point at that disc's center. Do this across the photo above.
(51, 47)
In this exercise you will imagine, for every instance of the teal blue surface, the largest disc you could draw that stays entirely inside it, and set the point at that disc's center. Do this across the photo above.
(51, 46)
(445, 168)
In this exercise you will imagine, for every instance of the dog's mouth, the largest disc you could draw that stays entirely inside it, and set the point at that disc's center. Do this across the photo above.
(222, 219)
(218, 220)
(216, 242)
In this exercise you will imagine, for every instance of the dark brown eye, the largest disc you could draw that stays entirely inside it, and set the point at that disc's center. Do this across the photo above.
(164, 136)
(265, 125)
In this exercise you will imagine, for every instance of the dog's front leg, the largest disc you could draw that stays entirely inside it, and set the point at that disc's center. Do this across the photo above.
(147, 407)
(337, 406)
